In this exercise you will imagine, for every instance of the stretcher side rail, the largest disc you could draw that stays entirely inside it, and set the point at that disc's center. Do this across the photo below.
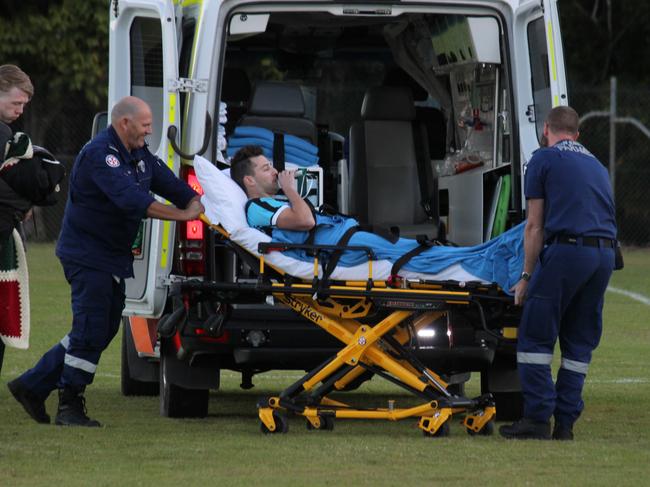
(328, 254)
(381, 298)
(394, 298)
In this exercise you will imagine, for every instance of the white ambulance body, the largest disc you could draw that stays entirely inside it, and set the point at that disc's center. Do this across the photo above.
(483, 75)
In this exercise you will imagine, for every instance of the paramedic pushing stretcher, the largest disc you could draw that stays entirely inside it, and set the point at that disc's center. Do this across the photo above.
(569, 246)
(109, 195)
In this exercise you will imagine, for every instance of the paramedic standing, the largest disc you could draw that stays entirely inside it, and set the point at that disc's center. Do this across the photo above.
(16, 90)
(569, 249)
(109, 195)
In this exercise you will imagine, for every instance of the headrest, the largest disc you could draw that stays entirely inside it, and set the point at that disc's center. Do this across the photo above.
(399, 77)
(272, 98)
(388, 103)
(236, 85)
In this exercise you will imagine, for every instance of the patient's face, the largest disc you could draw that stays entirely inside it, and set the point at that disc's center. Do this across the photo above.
(265, 176)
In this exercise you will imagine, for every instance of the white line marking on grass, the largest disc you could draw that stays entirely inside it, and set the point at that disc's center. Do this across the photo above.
(623, 380)
(636, 296)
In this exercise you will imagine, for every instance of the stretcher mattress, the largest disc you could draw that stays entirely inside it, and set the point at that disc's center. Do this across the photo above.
(249, 238)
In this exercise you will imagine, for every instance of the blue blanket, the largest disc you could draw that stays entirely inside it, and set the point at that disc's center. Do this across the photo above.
(296, 150)
(499, 260)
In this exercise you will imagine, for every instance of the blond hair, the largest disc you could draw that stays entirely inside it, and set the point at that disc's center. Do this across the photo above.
(13, 77)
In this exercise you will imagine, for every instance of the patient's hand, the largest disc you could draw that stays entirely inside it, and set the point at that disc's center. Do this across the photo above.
(287, 180)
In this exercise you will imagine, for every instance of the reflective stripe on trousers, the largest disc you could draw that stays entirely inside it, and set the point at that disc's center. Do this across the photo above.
(534, 358)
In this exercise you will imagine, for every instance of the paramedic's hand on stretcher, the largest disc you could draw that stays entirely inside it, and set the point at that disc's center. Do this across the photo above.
(169, 212)
(519, 290)
(194, 209)
(298, 216)
(533, 244)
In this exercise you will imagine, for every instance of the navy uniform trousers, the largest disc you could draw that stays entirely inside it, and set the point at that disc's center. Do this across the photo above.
(565, 301)
(97, 304)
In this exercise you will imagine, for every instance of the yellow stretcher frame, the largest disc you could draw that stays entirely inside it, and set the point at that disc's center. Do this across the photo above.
(376, 347)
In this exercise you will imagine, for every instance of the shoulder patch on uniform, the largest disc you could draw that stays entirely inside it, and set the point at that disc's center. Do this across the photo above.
(112, 161)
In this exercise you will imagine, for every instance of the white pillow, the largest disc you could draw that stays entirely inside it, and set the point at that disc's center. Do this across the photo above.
(224, 200)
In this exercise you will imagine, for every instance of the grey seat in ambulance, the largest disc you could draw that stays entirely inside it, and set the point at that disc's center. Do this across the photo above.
(280, 107)
(384, 185)
(432, 117)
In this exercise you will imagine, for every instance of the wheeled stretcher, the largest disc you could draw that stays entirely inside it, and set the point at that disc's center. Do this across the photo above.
(375, 321)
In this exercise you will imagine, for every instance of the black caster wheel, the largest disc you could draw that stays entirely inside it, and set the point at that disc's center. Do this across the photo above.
(326, 424)
(281, 425)
(487, 430)
(442, 432)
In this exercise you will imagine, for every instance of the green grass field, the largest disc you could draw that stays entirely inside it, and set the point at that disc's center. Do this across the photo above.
(138, 447)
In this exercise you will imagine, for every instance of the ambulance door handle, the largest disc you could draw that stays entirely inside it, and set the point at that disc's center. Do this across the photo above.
(172, 131)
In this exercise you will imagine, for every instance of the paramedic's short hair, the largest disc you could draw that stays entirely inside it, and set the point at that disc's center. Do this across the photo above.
(128, 107)
(241, 164)
(563, 120)
(13, 77)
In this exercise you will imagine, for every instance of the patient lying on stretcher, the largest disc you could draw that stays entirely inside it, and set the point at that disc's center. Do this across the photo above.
(499, 260)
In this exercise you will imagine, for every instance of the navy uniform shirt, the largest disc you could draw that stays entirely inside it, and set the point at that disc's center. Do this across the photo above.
(109, 196)
(576, 190)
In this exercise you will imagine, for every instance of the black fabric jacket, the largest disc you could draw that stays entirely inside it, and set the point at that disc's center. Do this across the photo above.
(29, 182)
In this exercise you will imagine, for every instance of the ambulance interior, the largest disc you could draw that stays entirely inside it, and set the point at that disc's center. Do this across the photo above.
(377, 94)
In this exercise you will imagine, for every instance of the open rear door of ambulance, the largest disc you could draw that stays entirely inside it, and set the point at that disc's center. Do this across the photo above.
(541, 81)
(143, 62)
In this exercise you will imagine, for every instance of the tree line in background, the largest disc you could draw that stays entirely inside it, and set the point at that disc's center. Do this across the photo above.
(604, 38)
(63, 45)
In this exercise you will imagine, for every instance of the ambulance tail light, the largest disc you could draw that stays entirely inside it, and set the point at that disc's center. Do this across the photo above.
(192, 253)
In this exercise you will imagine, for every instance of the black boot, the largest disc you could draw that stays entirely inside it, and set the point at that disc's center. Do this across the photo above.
(562, 433)
(527, 429)
(72, 409)
(34, 405)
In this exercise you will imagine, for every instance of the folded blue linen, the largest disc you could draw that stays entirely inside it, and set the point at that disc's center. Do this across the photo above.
(268, 153)
(262, 133)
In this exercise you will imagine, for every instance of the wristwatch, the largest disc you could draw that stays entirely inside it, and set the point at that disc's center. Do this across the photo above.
(525, 276)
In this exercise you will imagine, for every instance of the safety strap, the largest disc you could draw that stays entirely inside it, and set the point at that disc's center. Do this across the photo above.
(424, 242)
(336, 255)
(278, 151)
(425, 173)
(311, 236)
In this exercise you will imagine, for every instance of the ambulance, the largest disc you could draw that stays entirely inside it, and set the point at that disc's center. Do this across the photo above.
(474, 79)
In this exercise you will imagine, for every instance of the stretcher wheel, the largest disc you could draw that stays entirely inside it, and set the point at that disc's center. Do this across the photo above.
(281, 424)
(326, 424)
(442, 432)
(487, 430)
